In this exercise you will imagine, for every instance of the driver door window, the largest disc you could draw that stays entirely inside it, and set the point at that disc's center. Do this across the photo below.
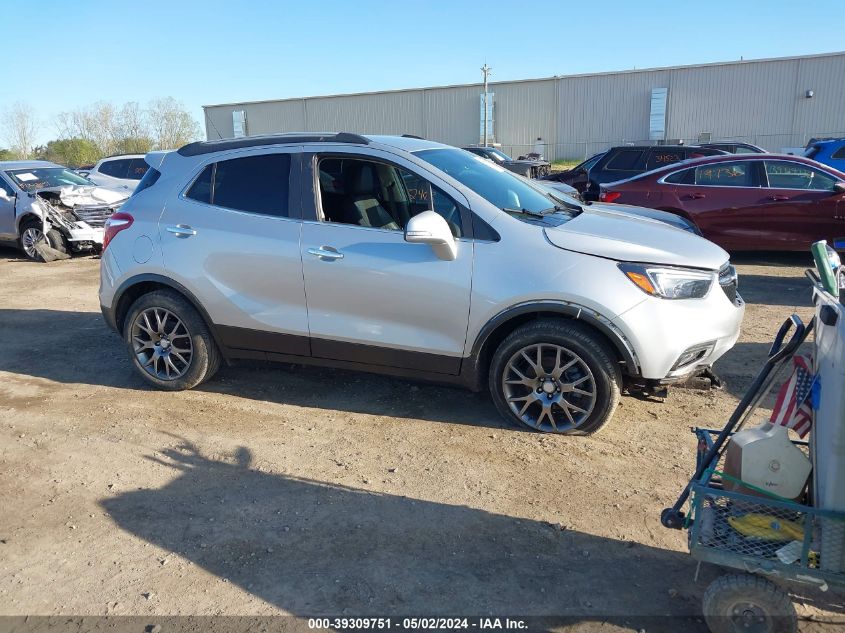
(788, 175)
(380, 196)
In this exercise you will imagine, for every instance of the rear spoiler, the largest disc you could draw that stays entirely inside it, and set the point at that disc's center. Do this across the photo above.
(155, 159)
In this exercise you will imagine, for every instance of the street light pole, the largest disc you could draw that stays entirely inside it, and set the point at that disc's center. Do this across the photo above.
(485, 69)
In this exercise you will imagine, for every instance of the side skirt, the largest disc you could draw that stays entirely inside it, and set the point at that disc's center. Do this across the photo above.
(245, 344)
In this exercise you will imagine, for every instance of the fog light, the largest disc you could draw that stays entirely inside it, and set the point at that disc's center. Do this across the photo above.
(693, 355)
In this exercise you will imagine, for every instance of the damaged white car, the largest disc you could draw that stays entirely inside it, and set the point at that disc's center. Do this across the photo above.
(51, 211)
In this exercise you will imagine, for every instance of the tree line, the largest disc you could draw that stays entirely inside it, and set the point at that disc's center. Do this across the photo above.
(101, 129)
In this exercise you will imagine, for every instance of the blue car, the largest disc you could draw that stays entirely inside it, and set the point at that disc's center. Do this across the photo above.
(828, 152)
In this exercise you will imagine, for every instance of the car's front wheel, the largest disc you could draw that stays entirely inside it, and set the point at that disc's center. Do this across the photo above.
(555, 376)
(168, 341)
(33, 236)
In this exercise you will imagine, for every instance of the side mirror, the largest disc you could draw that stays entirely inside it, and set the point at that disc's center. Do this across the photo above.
(839, 187)
(430, 228)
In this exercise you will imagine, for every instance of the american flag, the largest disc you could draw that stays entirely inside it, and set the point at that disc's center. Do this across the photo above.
(793, 408)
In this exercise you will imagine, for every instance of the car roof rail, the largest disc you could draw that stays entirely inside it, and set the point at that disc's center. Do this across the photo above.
(422, 138)
(207, 147)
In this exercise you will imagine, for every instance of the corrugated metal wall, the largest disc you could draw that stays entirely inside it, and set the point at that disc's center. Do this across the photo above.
(762, 102)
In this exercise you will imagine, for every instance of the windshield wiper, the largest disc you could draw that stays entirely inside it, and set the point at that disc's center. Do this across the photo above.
(533, 214)
(565, 208)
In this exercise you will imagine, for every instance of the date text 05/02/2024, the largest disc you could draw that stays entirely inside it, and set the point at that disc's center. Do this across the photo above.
(414, 624)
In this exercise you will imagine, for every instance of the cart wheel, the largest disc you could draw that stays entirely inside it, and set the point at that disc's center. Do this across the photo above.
(747, 603)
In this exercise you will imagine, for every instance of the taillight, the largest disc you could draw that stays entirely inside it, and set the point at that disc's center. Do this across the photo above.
(114, 225)
(609, 196)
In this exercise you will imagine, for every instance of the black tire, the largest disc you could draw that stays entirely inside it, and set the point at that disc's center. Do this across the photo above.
(744, 602)
(577, 340)
(204, 360)
(56, 241)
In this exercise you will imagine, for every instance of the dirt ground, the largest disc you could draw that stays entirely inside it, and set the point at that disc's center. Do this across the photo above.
(289, 490)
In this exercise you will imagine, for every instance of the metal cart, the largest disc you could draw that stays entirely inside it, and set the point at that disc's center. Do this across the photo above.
(761, 537)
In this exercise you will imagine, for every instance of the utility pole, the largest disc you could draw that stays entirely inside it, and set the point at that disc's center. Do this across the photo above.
(486, 70)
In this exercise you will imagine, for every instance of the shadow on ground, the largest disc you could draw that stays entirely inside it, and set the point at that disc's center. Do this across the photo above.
(77, 347)
(772, 258)
(776, 291)
(312, 548)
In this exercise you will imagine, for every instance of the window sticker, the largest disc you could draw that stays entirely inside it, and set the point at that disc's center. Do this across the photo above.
(26, 177)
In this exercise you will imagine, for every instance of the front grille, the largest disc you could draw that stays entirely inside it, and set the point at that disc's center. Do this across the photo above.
(728, 281)
(94, 216)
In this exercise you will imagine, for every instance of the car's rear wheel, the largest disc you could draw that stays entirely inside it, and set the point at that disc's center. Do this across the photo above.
(168, 341)
(555, 376)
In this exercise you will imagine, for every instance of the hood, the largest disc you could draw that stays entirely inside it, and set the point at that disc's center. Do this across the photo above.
(627, 238)
(627, 210)
(86, 195)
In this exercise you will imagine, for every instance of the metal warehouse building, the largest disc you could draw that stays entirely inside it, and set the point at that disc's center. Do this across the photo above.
(775, 103)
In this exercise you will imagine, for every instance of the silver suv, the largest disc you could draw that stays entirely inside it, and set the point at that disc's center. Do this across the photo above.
(407, 257)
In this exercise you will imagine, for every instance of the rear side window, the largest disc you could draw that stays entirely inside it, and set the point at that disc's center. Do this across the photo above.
(257, 184)
(659, 158)
(115, 168)
(726, 174)
(201, 189)
(685, 177)
(625, 160)
(840, 153)
(137, 168)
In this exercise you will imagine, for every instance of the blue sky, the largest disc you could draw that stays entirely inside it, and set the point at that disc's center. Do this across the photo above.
(62, 55)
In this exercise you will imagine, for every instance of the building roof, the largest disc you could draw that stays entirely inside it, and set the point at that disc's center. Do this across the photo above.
(513, 81)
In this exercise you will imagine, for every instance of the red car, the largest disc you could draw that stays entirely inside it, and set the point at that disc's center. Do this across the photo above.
(745, 202)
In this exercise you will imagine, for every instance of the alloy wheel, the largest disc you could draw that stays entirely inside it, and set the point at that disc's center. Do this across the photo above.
(30, 238)
(549, 387)
(162, 344)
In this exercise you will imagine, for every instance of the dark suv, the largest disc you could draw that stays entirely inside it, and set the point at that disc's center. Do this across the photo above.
(619, 163)
(735, 147)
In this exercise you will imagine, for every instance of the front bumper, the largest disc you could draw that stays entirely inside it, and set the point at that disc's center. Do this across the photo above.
(81, 232)
(662, 330)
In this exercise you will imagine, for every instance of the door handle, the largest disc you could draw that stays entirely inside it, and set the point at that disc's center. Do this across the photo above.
(696, 196)
(777, 198)
(326, 252)
(181, 230)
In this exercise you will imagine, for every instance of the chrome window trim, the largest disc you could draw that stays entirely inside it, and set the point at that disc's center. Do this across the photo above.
(223, 156)
(662, 179)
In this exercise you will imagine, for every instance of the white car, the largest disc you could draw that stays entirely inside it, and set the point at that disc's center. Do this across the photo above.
(120, 173)
(41, 202)
(407, 257)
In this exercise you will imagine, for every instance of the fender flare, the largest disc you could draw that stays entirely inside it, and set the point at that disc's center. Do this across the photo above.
(571, 311)
(27, 217)
(110, 314)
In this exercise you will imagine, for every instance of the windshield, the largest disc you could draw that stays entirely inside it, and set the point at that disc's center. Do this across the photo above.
(493, 183)
(587, 165)
(502, 156)
(571, 199)
(46, 178)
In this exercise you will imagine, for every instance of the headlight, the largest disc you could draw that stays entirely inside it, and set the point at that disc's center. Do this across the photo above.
(669, 283)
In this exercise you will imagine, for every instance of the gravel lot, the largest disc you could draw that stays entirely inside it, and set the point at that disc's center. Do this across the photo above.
(290, 490)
